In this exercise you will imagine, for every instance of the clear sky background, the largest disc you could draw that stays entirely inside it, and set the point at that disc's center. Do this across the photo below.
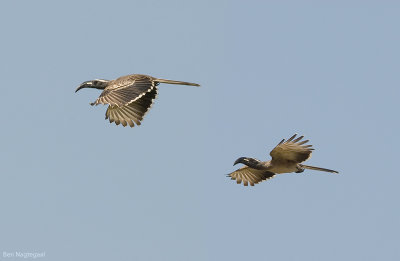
(79, 188)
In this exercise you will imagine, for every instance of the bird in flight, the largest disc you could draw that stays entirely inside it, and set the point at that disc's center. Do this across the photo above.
(286, 158)
(129, 97)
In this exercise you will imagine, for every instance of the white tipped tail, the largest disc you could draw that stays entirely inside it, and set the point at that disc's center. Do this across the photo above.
(317, 168)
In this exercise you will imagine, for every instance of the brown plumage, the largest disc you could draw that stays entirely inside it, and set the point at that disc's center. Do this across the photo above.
(129, 97)
(286, 158)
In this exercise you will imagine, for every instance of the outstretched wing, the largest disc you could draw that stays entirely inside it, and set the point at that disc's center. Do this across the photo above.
(292, 150)
(250, 175)
(126, 89)
(132, 112)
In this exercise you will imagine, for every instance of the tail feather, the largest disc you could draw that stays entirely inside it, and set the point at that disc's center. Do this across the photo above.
(176, 82)
(317, 168)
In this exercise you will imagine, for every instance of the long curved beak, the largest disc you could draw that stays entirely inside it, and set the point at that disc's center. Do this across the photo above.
(77, 89)
(83, 85)
(100, 84)
(237, 161)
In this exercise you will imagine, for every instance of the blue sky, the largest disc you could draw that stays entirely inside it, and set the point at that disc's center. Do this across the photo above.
(79, 188)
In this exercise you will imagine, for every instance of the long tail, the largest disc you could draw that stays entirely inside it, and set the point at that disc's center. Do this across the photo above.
(316, 168)
(176, 82)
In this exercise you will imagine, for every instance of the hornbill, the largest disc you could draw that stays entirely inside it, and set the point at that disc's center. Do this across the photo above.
(129, 97)
(286, 158)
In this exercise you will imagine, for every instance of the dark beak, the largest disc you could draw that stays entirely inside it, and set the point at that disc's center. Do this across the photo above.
(83, 85)
(95, 84)
(239, 160)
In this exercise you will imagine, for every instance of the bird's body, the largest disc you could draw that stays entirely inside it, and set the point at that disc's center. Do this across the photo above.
(282, 167)
(286, 158)
(129, 97)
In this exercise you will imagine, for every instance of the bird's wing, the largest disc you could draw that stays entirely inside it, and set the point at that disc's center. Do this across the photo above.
(132, 112)
(126, 89)
(292, 150)
(250, 175)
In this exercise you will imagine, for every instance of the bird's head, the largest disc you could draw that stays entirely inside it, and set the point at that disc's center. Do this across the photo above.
(247, 161)
(97, 84)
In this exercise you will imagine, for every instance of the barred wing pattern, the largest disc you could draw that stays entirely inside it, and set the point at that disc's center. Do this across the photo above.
(129, 97)
(250, 175)
(292, 150)
(134, 111)
(126, 89)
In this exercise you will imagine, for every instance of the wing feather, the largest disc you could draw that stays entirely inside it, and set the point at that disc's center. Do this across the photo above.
(126, 89)
(291, 150)
(249, 175)
(132, 112)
